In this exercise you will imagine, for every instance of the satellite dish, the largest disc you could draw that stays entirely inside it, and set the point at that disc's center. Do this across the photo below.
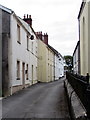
(32, 37)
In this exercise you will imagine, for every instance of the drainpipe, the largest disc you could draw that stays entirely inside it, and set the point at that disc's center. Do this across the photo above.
(0, 53)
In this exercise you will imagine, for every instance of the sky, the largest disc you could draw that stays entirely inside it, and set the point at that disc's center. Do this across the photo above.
(57, 18)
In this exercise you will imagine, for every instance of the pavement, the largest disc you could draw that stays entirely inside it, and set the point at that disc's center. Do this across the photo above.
(0, 98)
(42, 100)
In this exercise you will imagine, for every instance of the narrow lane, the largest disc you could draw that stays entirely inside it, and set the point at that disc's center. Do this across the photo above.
(43, 100)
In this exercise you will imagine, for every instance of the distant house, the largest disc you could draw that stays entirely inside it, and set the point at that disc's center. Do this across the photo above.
(58, 64)
(76, 59)
(42, 58)
(50, 62)
(84, 36)
(46, 59)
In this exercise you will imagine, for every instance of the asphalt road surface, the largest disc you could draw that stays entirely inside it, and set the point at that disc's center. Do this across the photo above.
(42, 100)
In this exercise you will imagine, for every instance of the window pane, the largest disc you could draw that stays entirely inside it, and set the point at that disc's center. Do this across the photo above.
(18, 33)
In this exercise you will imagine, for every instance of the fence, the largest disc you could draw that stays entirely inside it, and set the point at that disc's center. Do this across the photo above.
(82, 88)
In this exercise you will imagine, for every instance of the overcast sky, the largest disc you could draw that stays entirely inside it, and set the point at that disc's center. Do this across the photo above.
(56, 17)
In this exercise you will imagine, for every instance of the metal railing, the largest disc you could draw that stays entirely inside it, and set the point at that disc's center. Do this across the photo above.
(82, 88)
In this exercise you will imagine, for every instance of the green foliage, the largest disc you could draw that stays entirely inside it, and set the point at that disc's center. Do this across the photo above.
(69, 62)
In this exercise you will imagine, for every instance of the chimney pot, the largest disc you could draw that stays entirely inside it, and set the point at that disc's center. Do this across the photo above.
(28, 19)
(46, 38)
(27, 15)
(24, 16)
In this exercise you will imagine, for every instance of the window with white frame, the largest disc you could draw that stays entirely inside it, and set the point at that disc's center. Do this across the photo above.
(27, 42)
(18, 34)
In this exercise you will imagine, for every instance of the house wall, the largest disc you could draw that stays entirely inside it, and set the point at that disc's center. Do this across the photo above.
(59, 67)
(19, 52)
(76, 59)
(75, 62)
(50, 65)
(84, 39)
(45, 63)
(5, 40)
(89, 37)
(56, 68)
(34, 59)
(42, 66)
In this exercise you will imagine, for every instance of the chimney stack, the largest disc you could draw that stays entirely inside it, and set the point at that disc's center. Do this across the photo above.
(42, 37)
(46, 38)
(28, 19)
(39, 34)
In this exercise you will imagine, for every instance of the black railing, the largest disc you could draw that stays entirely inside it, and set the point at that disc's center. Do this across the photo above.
(82, 88)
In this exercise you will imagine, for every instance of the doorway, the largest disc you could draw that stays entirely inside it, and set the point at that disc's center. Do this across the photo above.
(23, 74)
(32, 74)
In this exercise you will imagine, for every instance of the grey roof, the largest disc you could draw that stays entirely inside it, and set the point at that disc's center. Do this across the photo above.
(27, 27)
(78, 44)
(6, 9)
(55, 51)
(81, 9)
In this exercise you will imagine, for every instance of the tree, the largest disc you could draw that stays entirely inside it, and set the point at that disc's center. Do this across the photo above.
(69, 62)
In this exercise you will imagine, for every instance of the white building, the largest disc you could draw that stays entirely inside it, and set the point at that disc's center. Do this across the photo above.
(59, 66)
(76, 59)
(20, 63)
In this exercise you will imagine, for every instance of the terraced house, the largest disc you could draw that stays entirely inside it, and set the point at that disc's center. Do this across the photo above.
(84, 36)
(19, 52)
(50, 62)
(25, 55)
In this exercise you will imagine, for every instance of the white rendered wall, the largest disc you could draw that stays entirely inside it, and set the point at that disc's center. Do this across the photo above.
(19, 52)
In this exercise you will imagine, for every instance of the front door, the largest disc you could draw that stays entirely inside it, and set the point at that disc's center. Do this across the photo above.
(32, 74)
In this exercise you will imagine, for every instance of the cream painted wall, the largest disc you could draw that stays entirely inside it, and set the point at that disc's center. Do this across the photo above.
(85, 39)
(42, 66)
(89, 37)
(51, 62)
(45, 63)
